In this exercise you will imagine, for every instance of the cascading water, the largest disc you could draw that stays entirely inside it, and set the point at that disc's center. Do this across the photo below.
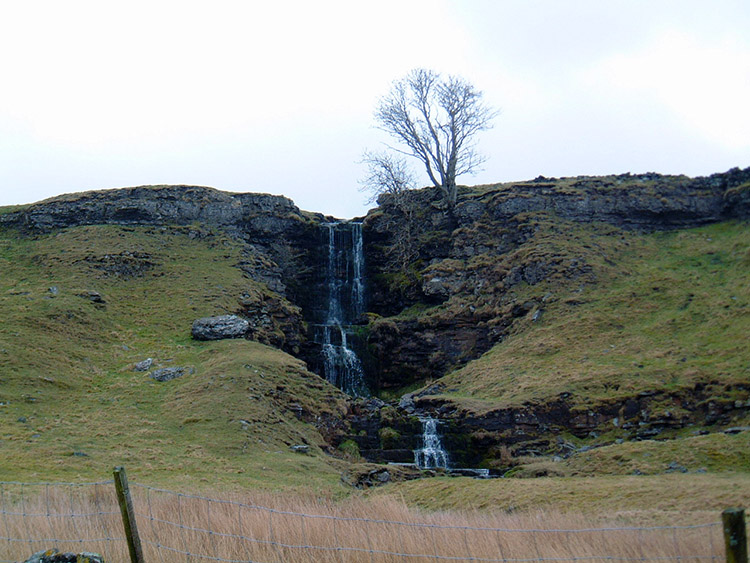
(431, 455)
(346, 303)
(358, 277)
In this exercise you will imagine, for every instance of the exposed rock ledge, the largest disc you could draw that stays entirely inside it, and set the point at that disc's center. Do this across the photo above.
(159, 205)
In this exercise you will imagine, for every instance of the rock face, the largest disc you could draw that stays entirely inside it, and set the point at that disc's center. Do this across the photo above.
(642, 201)
(273, 320)
(446, 284)
(388, 434)
(159, 205)
(219, 328)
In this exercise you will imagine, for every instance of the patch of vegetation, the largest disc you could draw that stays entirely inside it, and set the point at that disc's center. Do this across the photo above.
(350, 449)
(388, 437)
(715, 453)
(741, 189)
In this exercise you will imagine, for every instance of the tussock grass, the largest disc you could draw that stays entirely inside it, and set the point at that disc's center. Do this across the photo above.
(655, 499)
(263, 527)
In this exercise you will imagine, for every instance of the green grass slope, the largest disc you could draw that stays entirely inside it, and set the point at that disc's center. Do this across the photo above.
(71, 404)
(668, 310)
(633, 500)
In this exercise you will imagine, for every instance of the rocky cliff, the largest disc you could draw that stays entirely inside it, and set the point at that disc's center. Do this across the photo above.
(450, 285)
(447, 287)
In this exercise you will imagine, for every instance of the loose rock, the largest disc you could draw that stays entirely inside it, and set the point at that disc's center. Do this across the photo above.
(220, 327)
(144, 365)
(167, 374)
(93, 296)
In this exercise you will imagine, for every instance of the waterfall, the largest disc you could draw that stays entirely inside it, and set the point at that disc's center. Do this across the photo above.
(358, 279)
(432, 454)
(346, 303)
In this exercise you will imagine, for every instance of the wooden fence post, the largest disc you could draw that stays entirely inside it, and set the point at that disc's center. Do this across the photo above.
(128, 516)
(735, 536)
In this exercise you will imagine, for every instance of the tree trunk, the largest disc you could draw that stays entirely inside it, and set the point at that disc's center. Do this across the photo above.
(450, 193)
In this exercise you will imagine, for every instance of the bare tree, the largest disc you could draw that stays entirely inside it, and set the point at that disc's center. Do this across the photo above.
(436, 119)
(386, 174)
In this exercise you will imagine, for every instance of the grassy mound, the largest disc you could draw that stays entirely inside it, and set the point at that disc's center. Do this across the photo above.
(82, 306)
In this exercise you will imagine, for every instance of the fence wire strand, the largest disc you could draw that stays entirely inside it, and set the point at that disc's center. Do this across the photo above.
(193, 528)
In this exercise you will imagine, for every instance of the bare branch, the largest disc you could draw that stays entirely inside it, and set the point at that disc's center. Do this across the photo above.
(385, 174)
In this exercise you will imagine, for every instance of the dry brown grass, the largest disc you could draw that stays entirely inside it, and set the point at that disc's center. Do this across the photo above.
(275, 528)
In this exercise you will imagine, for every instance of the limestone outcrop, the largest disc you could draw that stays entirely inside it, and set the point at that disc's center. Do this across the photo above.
(159, 205)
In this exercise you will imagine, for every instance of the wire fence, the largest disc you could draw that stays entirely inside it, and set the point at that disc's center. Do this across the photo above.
(176, 527)
(69, 516)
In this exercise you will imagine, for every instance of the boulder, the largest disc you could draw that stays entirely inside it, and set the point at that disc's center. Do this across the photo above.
(144, 365)
(168, 374)
(219, 328)
(54, 556)
(93, 296)
(367, 478)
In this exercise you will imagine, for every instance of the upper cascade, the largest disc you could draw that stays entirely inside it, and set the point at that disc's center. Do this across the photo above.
(346, 304)
(345, 272)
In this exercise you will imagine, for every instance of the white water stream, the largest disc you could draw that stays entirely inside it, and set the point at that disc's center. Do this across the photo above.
(346, 302)
(432, 454)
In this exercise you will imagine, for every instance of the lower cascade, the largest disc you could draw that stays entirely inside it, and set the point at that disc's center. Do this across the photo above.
(431, 455)
(341, 364)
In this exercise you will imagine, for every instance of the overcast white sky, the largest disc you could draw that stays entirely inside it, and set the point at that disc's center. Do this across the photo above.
(278, 96)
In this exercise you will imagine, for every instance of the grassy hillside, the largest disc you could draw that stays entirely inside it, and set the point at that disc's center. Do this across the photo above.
(82, 306)
(667, 311)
